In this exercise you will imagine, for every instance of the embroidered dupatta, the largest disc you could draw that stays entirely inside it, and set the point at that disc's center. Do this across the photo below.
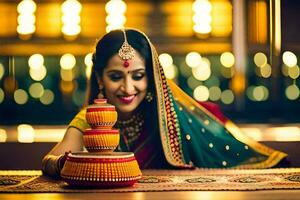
(191, 135)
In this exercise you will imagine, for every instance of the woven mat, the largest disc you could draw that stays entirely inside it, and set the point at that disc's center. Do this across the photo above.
(164, 180)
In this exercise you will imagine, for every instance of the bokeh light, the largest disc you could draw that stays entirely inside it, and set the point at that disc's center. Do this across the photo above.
(27, 6)
(47, 98)
(20, 96)
(227, 97)
(25, 133)
(38, 74)
(23, 19)
(202, 6)
(266, 71)
(2, 70)
(26, 18)
(67, 61)
(36, 90)
(3, 135)
(202, 16)
(289, 59)
(71, 17)
(202, 72)
(171, 71)
(204, 29)
(36, 61)
(201, 93)
(2, 95)
(115, 18)
(293, 72)
(165, 60)
(249, 92)
(260, 93)
(116, 6)
(215, 93)
(193, 59)
(227, 59)
(292, 92)
(260, 59)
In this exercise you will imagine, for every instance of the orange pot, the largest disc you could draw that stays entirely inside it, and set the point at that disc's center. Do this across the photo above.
(101, 115)
(101, 140)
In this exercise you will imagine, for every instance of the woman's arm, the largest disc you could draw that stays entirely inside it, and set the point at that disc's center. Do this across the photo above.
(53, 162)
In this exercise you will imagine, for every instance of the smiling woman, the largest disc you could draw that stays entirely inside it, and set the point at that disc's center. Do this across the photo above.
(162, 125)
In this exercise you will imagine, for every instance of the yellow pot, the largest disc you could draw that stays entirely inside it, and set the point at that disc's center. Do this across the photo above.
(101, 114)
(101, 140)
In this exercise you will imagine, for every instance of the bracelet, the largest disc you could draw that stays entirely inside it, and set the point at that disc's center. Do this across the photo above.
(51, 165)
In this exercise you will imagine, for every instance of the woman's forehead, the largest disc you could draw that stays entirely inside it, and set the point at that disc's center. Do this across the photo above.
(117, 63)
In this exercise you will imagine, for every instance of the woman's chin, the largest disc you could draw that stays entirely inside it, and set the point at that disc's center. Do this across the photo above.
(126, 108)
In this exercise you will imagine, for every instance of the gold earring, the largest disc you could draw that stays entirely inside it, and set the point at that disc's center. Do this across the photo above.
(100, 94)
(149, 97)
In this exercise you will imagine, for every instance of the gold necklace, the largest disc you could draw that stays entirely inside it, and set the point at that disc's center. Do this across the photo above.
(131, 128)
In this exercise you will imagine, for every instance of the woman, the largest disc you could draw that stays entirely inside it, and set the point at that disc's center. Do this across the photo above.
(162, 125)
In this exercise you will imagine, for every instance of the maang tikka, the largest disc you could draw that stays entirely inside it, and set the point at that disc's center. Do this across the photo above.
(126, 52)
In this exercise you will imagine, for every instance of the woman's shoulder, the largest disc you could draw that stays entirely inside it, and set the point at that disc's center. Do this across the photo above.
(79, 120)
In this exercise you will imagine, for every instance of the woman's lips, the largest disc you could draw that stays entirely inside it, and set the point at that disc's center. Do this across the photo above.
(127, 99)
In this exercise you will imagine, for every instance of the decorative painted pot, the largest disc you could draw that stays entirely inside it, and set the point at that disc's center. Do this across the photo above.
(114, 169)
(101, 115)
(101, 140)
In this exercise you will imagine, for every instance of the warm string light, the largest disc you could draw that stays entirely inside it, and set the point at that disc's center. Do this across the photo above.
(202, 16)
(71, 19)
(115, 10)
(26, 18)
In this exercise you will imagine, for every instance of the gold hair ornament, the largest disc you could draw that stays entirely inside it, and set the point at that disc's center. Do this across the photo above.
(126, 52)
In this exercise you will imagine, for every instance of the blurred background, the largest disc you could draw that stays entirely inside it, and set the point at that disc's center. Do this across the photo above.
(239, 54)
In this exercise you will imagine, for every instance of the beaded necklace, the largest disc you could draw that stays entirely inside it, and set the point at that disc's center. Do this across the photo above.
(131, 129)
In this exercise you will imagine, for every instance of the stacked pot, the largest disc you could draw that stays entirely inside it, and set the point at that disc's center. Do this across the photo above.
(100, 166)
(101, 116)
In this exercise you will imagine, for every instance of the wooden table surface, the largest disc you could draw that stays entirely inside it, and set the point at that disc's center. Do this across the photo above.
(184, 195)
(289, 194)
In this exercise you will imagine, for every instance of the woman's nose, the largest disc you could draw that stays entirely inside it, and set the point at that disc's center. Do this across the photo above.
(128, 86)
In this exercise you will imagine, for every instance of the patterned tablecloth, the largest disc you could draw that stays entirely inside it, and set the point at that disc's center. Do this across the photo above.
(164, 180)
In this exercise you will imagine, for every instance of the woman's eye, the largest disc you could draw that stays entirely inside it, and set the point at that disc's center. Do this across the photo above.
(138, 76)
(115, 77)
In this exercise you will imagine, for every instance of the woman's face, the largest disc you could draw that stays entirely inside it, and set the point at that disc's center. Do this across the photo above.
(125, 87)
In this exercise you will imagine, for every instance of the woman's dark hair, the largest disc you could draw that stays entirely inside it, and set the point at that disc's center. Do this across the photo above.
(107, 47)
